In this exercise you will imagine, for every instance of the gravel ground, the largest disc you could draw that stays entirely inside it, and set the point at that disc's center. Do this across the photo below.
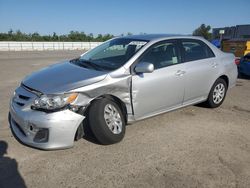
(190, 147)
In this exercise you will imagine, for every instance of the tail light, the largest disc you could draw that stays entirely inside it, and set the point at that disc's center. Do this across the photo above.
(237, 61)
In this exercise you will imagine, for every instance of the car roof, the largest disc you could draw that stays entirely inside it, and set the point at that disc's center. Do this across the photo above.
(151, 37)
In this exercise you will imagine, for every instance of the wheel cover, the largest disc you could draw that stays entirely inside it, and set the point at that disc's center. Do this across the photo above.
(219, 93)
(113, 119)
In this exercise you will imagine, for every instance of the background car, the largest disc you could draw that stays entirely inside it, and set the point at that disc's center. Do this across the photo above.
(244, 65)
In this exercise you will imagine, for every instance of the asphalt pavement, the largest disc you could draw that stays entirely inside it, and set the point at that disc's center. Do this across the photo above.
(189, 147)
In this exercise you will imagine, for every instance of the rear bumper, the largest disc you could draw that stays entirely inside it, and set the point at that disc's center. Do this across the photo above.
(56, 130)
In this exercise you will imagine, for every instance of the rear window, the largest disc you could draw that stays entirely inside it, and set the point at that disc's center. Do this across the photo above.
(195, 50)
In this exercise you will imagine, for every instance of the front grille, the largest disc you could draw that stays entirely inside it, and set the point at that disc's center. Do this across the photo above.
(23, 100)
(23, 96)
(19, 103)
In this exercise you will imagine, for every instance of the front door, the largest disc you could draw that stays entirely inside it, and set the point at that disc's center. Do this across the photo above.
(162, 89)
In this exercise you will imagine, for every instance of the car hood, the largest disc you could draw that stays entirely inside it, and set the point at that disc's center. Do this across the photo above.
(62, 77)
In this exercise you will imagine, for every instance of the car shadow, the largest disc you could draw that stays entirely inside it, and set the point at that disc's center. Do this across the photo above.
(201, 105)
(9, 174)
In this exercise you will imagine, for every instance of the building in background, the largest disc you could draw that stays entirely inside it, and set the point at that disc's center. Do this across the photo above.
(235, 39)
(234, 32)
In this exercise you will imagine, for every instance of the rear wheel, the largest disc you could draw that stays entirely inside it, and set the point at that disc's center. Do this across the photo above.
(217, 93)
(106, 121)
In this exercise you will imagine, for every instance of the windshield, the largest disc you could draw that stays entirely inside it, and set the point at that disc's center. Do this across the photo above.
(111, 55)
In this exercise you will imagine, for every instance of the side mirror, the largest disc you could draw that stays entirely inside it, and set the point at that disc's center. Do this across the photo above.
(144, 67)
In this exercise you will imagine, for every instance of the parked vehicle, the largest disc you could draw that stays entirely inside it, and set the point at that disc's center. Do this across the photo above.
(121, 81)
(216, 42)
(239, 47)
(244, 65)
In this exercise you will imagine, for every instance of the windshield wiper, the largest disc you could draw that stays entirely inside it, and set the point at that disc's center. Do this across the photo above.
(86, 63)
(91, 63)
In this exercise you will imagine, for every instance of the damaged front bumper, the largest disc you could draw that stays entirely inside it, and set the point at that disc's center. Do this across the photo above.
(43, 130)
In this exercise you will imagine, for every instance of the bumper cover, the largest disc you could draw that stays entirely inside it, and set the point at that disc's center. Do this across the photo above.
(61, 126)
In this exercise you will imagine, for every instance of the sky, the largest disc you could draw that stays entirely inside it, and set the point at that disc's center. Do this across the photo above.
(120, 16)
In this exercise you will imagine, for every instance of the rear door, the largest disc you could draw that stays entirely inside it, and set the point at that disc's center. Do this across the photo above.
(201, 69)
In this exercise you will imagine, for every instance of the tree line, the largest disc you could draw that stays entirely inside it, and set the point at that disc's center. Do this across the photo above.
(72, 36)
(204, 31)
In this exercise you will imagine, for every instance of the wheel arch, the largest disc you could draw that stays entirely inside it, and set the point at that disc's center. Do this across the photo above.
(225, 78)
(118, 101)
(85, 111)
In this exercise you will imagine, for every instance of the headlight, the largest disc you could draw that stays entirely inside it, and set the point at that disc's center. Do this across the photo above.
(54, 102)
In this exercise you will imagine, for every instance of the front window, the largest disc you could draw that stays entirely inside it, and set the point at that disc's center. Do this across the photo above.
(111, 55)
(162, 54)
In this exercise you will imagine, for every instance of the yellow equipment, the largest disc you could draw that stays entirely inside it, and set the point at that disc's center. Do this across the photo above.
(238, 47)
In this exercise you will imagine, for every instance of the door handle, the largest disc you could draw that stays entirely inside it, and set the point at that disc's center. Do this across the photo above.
(214, 65)
(180, 73)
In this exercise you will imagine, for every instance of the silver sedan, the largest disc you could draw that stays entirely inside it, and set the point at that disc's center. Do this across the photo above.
(121, 81)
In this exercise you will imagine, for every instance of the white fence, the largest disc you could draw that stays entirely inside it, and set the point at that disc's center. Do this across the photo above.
(40, 46)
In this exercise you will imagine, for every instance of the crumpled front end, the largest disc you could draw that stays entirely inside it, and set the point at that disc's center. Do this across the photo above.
(118, 87)
(56, 130)
(44, 130)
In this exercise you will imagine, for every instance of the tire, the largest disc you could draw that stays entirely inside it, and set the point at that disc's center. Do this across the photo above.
(104, 115)
(217, 93)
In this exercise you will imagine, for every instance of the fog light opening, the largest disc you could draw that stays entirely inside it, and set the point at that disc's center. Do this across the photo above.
(42, 136)
(31, 128)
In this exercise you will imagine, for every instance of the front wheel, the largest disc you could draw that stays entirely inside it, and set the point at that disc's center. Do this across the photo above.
(106, 121)
(217, 93)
